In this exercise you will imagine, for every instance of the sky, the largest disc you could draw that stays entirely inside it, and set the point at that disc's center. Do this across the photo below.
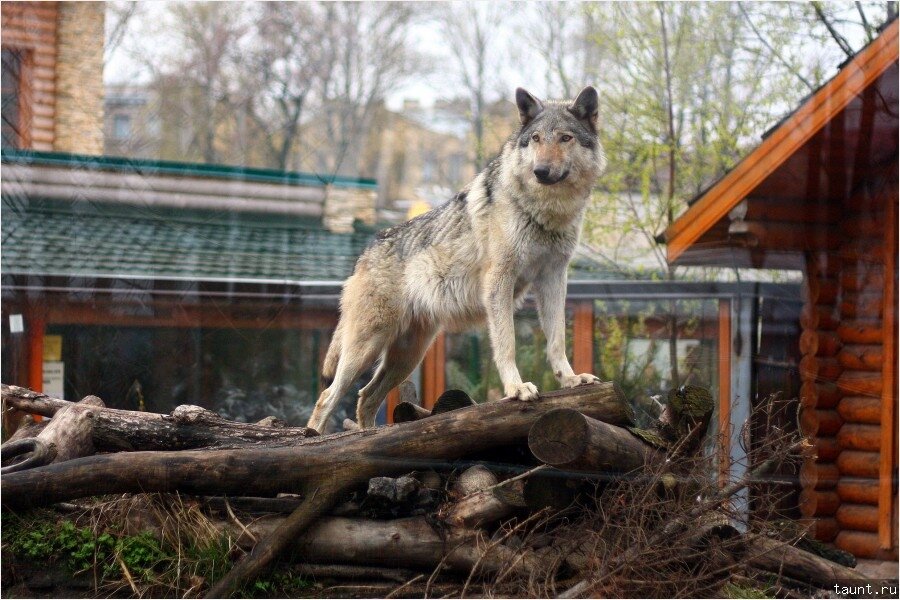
(153, 18)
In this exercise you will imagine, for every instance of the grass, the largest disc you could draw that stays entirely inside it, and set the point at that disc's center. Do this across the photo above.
(180, 553)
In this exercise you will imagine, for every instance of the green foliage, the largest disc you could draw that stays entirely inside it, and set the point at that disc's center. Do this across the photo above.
(732, 590)
(280, 584)
(149, 561)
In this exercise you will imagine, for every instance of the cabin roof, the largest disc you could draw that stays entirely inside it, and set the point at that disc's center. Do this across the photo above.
(793, 182)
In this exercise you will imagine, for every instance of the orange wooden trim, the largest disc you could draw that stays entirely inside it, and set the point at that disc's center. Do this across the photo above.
(440, 365)
(434, 378)
(887, 468)
(393, 399)
(583, 337)
(724, 388)
(35, 327)
(809, 118)
(191, 316)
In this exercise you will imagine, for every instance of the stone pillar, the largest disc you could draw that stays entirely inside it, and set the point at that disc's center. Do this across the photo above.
(79, 78)
(343, 205)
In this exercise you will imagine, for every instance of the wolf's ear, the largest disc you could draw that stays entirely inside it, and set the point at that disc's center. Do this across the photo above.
(529, 106)
(586, 106)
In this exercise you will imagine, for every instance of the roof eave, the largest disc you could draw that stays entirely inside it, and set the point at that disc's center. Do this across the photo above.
(807, 120)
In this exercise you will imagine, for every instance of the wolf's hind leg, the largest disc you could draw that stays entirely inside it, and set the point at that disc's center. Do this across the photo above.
(399, 361)
(359, 351)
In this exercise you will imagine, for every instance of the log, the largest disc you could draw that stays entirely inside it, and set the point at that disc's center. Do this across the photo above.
(860, 331)
(853, 436)
(861, 357)
(406, 412)
(267, 471)
(827, 449)
(858, 490)
(187, 427)
(861, 517)
(860, 383)
(778, 557)
(27, 453)
(829, 422)
(826, 502)
(479, 505)
(861, 544)
(451, 400)
(859, 464)
(825, 529)
(829, 343)
(411, 542)
(568, 440)
(860, 409)
(71, 429)
(827, 394)
(861, 305)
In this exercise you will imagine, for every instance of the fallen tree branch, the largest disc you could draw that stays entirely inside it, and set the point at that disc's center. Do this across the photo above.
(268, 471)
(187, 427)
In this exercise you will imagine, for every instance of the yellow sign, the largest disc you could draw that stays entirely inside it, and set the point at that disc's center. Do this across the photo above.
(52, 347)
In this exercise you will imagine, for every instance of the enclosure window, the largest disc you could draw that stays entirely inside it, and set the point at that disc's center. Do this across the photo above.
(13, 97)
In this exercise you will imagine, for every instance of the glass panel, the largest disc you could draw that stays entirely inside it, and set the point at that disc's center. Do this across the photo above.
(470, 365)
(651, 346)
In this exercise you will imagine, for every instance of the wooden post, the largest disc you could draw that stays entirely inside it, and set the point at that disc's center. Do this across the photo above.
(583, 337)
(724, 388)
(392, 400)
(34, 329)
(433, 372)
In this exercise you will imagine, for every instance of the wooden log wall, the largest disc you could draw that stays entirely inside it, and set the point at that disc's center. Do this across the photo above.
(30, 27)
(819, 395)
(853, 362)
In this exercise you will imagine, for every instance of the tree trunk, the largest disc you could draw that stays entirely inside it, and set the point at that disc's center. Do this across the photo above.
(778, 557)
(350, 456)
(186, 428)
(568, 440)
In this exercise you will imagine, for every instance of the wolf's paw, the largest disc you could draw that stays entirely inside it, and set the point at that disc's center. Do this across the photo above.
(522, 391)
(570, 381)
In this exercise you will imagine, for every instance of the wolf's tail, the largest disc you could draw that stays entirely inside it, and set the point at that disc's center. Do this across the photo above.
(329, 366)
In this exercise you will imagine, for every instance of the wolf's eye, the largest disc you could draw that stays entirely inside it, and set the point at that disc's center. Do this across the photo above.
(565, 138)
(536, 137)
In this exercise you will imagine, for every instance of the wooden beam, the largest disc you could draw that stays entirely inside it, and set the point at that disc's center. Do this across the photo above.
(433, 372)
(34, 329)
(583, 337)
(802, 125)
(189, 316)
(724, 388)
(888, 466)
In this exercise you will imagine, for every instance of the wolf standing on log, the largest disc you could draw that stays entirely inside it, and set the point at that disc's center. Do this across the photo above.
(513, 228)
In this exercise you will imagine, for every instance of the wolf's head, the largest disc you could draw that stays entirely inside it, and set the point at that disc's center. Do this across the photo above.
(558, 145)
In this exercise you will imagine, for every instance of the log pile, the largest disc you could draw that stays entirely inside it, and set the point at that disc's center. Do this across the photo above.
(476, 492)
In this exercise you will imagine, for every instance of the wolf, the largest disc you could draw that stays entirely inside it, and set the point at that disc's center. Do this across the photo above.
(513, 229)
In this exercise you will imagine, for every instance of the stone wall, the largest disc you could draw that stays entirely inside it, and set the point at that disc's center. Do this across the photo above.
(79, 78)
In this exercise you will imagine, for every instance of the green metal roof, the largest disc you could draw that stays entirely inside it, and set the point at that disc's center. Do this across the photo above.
(167, 167)
(88, 239)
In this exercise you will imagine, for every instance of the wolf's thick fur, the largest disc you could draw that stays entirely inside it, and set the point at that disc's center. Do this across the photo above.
(513, 228)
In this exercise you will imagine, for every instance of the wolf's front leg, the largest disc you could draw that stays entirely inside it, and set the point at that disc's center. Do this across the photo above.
(550, 294)
(499, 305)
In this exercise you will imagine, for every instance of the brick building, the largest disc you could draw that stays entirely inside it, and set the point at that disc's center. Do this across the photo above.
(53, 76)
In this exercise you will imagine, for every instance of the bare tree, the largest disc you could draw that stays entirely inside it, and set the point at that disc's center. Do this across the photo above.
(365, 55)
(281, 64)
(470, 31)
(204, 34)
(555, 31)
(118, 16)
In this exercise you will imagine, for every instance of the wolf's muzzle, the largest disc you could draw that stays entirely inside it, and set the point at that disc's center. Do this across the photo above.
(543, 176)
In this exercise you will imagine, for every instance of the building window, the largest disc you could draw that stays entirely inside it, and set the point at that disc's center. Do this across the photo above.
(122, 127)
(13, 108)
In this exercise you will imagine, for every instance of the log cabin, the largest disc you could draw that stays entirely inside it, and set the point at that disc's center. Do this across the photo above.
(819, 195)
